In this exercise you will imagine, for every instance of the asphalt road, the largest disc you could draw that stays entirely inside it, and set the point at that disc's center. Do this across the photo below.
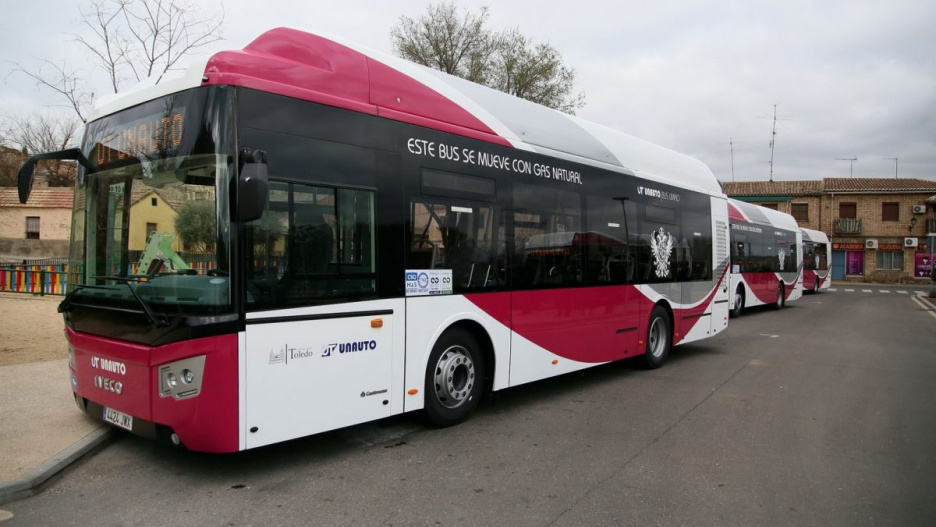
(819, 414)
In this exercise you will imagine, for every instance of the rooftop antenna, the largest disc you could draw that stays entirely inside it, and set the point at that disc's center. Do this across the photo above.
(894, 159)
(773, 139)
(731, 142)
(851, 164)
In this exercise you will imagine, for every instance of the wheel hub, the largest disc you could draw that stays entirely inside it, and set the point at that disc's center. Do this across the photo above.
(454, 377)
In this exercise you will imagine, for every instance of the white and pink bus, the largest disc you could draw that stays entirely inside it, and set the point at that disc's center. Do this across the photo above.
(817, 257)
(305, 235)
(766, 259)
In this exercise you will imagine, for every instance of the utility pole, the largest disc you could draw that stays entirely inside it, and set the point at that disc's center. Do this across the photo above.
(851, 164)
(894, 159)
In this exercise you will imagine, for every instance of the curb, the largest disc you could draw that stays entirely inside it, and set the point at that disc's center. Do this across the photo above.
(35, 480)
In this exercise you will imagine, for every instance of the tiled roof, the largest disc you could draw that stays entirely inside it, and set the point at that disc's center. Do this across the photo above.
(46, 198)
(773, 188)
(878, 185)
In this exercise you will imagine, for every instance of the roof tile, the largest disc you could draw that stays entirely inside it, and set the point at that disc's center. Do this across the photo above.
(46, 198)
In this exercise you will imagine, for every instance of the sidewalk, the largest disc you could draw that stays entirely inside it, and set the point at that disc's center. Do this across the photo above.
(42, 430)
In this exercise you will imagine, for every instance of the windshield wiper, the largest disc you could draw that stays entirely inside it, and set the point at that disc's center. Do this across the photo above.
(159, 319)
(66, 302)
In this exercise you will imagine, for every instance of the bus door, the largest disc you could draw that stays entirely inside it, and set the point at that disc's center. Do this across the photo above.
(723, 292)
(319, 349)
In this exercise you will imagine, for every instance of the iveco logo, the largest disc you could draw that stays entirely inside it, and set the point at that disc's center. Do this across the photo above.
(109, 385)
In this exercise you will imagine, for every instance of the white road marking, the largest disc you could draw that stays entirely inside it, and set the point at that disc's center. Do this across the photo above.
(831, 289)
(885, 291)
(849, 290)
(924, 306)
(866, 291)
(771, 336)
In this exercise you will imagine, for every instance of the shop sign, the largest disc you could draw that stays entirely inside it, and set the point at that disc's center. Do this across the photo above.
(848, 246)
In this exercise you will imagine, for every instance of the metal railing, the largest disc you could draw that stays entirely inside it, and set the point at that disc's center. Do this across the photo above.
(848, 226)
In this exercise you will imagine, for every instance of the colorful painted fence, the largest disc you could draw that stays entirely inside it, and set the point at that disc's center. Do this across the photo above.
(35, 279)
(52, 279)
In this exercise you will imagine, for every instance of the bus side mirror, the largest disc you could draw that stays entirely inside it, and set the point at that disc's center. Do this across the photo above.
(252, 185)
(24, 179)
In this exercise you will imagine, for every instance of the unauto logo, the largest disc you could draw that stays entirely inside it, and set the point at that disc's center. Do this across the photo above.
(327, 349)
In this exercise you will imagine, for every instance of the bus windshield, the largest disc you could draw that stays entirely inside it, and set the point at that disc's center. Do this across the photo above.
(150, 226)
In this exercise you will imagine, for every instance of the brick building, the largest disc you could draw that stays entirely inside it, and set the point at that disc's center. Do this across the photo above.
(881, 229)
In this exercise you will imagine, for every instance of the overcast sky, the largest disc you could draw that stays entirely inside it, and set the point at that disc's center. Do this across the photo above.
(850, 78)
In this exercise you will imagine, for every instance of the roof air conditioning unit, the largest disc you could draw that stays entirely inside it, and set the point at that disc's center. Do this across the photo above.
(910, 242)
(919, 209)
(871, 244)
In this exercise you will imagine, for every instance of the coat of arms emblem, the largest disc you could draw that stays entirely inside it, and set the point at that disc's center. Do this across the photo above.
(782, 256)
(661, 246)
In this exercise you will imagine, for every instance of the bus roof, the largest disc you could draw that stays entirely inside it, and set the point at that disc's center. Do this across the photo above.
(337, 73)
(741, 211)
(814, 236)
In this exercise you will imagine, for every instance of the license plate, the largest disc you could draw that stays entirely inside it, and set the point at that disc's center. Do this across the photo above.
(118, 418)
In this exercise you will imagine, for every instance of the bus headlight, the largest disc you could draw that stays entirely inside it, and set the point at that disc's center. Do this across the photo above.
(71, 356)
(182, 379)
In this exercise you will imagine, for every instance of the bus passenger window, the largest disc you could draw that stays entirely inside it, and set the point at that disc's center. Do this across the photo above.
(548, 237)
(312, 245)
(466, 238)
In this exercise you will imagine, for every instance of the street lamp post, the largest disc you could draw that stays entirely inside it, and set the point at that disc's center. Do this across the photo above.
(851, 164)
(894, 159)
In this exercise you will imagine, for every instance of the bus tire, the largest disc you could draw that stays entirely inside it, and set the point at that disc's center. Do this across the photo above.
(659, 338)
(781, 297)
(454, 378)
(738, 303)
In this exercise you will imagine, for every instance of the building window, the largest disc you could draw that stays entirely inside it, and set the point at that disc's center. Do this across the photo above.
(150, 229)
(153, 201)
(890, 260)
(769, 205)
(800, 211)
(848, 210)
(890, 211)
(32, 227)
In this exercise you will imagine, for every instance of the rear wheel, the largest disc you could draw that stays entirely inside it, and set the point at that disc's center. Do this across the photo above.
(659, 338)
(738, 304)
(454, 378)
(781, 298)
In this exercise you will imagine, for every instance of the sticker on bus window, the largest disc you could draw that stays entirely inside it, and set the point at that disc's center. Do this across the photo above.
(424, 282)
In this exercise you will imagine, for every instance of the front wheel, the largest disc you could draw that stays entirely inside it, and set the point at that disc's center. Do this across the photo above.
(454, 378)
(781, 298)
(659, 338)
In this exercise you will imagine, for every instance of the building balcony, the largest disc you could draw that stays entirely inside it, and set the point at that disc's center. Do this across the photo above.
(848, 226)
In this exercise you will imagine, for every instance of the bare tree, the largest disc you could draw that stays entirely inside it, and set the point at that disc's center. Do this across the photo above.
(460, 44)
(130, 40)
(534, 72)
(446, 41)
(40, 133)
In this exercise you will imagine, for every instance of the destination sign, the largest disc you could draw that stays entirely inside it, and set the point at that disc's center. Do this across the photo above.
(155, 136)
